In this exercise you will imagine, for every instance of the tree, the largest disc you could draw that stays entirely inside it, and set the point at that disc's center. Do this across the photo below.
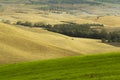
(104, 34)
(103, 40)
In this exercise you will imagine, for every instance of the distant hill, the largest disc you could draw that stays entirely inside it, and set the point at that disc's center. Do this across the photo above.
(109, 1)
(62, 1)
(59, 1)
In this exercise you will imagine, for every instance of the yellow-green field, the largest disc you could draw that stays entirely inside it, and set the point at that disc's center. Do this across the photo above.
(93, 67)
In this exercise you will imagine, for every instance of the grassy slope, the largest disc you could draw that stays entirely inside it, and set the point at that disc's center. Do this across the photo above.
(95, 67)
(26, 44)
(110, 21)
(21, 45)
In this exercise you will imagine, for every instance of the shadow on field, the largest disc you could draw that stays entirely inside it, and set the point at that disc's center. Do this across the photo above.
(114, 44)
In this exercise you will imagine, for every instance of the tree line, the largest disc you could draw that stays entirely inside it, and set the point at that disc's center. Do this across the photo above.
(79, 30)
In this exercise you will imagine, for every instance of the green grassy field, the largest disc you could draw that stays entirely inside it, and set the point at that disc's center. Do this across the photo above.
(93, 67)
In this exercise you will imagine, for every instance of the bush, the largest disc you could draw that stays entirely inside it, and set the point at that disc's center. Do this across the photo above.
(39, 24)
(103, 40)
(6, 21)
(24, 23)
(28, 24)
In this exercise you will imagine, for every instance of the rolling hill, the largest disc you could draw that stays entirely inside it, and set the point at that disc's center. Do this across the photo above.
(45, 55)
(22, 10)
(26, 44)
(95, 67)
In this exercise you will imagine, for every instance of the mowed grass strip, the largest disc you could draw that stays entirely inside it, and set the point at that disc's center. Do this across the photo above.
(92, 67)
